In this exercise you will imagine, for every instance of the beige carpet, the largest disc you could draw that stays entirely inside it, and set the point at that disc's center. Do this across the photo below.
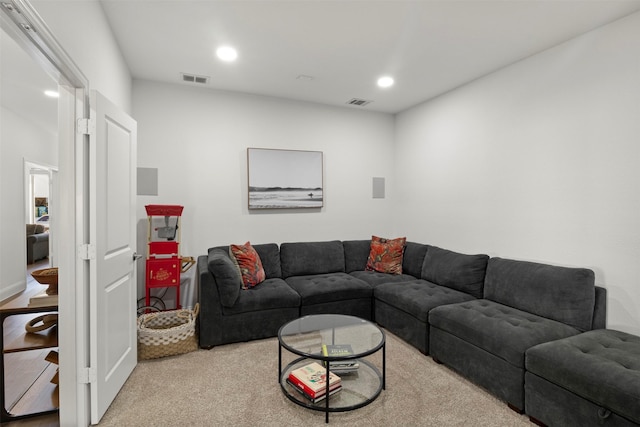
(237, 385)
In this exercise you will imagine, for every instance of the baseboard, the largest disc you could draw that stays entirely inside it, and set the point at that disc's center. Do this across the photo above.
(515, 409)
(537, 422)
(13, 289)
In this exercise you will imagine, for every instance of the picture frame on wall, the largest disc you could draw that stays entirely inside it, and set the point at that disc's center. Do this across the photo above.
(285, 179)
(41, 205)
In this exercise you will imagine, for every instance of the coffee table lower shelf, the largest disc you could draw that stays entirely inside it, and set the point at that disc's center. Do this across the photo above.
(359, 388)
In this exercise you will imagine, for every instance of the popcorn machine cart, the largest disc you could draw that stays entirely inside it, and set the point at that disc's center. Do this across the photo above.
(164, 262)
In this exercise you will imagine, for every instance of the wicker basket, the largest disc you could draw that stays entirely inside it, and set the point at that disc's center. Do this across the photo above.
(47, 276)
(167, 333)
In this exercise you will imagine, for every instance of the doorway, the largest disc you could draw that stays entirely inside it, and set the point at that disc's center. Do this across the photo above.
(56, 142)
(39, 205)
(29, 123)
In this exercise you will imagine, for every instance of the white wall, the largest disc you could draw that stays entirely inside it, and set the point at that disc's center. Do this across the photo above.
(538, 161)
(84, 32)
(20, 139)
(197, 138)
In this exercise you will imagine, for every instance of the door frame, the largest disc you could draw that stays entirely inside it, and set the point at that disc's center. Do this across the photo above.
(20, 20)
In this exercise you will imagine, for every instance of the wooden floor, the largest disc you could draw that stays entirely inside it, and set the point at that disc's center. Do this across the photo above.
(50, 420)
(25, 364)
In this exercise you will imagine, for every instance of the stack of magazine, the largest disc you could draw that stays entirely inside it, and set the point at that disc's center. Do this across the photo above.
(340, 366)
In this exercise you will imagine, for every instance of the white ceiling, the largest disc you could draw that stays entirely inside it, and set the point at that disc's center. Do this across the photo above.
(429, 46)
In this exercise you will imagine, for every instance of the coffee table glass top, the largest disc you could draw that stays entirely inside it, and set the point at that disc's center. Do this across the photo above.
(305, 336)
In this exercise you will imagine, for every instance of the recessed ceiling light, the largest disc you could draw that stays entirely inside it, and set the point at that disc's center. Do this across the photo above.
(385, 81)
(227, 53)
(51, 93)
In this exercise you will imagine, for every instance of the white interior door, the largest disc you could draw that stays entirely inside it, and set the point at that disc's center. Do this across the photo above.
(113, 334)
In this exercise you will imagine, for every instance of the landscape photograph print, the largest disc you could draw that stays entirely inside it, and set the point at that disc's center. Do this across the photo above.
(284, 179)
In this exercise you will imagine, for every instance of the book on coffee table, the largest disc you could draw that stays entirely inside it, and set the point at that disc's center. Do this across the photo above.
(312, 378)
(340, 366)
(43, 300)
(333, 390)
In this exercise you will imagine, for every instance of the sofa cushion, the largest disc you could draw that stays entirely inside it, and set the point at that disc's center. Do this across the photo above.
(417, 297)
(559, 293)
(602, 366)
(413, 258)
(272, 294)
(269, 255)
(454, 270)
(303, 258)
(226, 275)
(385, 255)
(498, 329)
(249, 264)
(321, 288)
(375, 278)
(356, 253)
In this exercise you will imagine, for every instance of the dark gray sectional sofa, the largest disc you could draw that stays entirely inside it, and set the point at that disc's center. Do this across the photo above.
(476, 314)
(524, 304)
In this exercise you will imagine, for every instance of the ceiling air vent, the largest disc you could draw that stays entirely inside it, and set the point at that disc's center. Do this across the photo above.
(358, 102)
(192, 78)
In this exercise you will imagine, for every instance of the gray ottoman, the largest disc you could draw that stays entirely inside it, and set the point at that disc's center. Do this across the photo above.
(590, 379)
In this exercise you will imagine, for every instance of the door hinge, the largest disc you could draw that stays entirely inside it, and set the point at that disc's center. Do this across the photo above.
(87, 252)
(86, 126)
(87, 375)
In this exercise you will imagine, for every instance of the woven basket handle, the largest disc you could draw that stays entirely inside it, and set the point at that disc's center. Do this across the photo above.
(48, 321)
(186, 314)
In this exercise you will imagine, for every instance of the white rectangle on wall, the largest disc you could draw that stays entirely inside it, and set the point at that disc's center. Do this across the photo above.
(378, 187)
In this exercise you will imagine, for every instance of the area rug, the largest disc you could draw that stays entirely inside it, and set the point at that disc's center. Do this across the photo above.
(237, 385)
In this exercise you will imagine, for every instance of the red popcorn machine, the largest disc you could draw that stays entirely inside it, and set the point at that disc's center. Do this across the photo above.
(164, 262)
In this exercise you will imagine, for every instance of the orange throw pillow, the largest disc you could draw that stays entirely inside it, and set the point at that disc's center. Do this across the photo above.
(385, 255)
(249, 263)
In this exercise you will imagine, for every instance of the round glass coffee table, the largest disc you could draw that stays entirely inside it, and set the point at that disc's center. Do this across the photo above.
(348, 341)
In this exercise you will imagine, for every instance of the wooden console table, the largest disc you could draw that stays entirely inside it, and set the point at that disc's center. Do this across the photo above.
(24, 374)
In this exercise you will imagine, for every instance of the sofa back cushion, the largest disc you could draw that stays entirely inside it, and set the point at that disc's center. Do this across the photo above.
(227, 276)
(413, 258)
(269, 256)
(559, 293)
(356, 253)
(305, 258)
(465, 273)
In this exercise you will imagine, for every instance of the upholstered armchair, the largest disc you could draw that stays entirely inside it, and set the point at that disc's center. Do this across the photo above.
(37, 243)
